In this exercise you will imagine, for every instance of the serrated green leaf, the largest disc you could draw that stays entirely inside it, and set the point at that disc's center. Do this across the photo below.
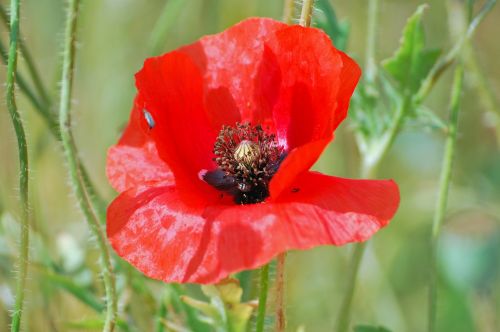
(412, 62)
(328, 22)
(367, 328)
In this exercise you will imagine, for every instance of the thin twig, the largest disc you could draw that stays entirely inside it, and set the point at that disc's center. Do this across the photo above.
(344, 317)
(280, 293)
(42, 109)
(371, 39)
(306, 13)
(288, 11)
(29, 61)
(443, 191)
(23, 164)
(74, 168)
(450, 57)
(264, 285)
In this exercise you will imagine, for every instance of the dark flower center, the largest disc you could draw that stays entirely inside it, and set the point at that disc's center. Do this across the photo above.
(247, 158)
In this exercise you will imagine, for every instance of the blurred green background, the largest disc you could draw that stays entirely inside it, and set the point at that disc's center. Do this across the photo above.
(115, 36)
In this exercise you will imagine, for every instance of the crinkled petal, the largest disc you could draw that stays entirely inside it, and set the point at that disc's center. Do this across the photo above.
(134, 160)
(316, 82)
(167, 240)
(171, 88)
(230, 62)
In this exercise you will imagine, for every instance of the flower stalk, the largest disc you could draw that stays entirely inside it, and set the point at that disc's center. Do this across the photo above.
(368, 168)
(280, 293)
(70, 152)
(444, 187)
(23, 164)
(30, 63)
(264, 285)
(43, 108)
(288, 11)
(306, 13)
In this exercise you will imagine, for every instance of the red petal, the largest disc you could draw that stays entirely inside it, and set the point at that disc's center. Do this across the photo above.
(309, 68)
(134, 160)
(349, 77)
(230, 62)
(317, 82)
(172, 89)
(296, 162)
(166, 240)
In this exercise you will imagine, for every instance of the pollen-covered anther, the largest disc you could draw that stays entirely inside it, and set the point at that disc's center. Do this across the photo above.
(248, 156)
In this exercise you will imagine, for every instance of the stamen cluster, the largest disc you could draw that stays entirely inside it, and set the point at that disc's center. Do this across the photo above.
(249, 156)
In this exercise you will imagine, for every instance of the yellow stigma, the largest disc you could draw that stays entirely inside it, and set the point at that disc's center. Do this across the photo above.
(247, 152)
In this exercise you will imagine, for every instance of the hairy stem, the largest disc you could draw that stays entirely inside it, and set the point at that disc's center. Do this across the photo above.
(306, 13)
(444, 185)
(164, 23)
(288, 11)
(280, 293)
(369, 166)
(346, 305)
(448, 59)
(42, 109)
(371, 38)
(23, 164)
(264, 285)
(29, 61)
(73, 163)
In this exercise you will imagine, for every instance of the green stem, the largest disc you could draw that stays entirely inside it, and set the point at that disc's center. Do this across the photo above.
(74, 167)
(371, 37)
(264, 285)
(280, 293)
(29, 61)
(306, 13)
(288, 11)
(369, 167)
(162, 26)
(448, 59)
(345, 308)
(42, 109)
(53, 126)
(23, 164)
(444, 186)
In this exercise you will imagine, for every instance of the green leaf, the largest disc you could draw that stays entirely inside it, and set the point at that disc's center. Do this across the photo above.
(412, 62)
(367, 328)
(326, 19)
(225, 311)
(94, 324)
(81, 293)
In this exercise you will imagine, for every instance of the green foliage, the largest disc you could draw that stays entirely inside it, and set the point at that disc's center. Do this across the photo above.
(84, 294)
(366, 328)
(326, 19)
(224, 312)
(412, 62)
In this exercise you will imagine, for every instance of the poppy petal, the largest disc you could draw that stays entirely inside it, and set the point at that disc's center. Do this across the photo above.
(310, 69)
(298, 161)
(172, 90)
(134, 160)
(165, 239)
(230, 62)
(317, 82)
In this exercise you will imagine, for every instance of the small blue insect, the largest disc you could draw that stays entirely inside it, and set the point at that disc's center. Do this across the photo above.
(149, 119)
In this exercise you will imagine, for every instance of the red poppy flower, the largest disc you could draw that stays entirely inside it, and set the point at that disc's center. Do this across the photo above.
(213, 168)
